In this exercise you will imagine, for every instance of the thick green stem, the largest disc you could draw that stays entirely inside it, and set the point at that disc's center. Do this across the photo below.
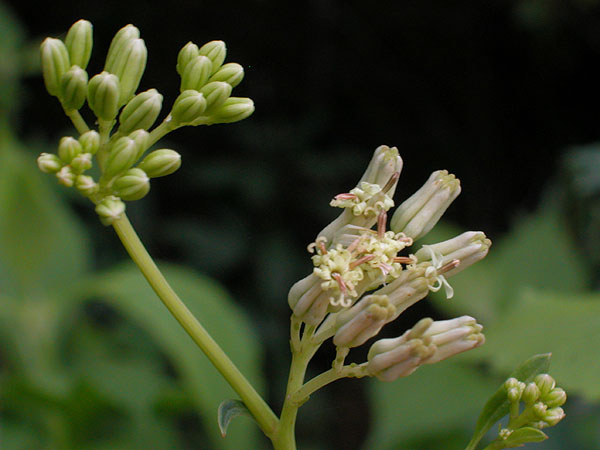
(78, 121)
(266, 419)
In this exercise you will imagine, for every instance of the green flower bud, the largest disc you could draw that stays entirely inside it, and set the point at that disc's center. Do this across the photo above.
(132, 185)
(90, 141)
(68, 148)
(123, 154)
(531, 394)
(186, 54)
(189, 106)
(103, 95)
(556, 397)
(79, 43)
(129, 66)
(111, 208)
(514, 394)
(141, 111)
(215, 51)
(215, 94)
(73, 88)
(196, 74)
(233, 109)
(118, 43)
(49, 163)
(230, 73)
(82, 162)
(417, 215)
(65, 176)
(86, 185)
(545, 382)
(160, 163)
(55, 62)
(141, 138)
(553, 416)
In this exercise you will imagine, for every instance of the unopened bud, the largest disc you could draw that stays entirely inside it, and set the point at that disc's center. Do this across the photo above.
(141, 139)
(129, 66)
(65, 176)
(215, 94)
(539, 410)
(141, 111)
(86, 185)
(545, 382)
(454, 336)
(111, 208)
(189, 106)
(118, 44)
(389, 359)
(132, 185)
(68, 148)
(556, 397)
(553, 416)
(215, 51)
(122, 155)
(363, 320)
(186, 54)
(417, 215)
(73, 88)
(79, 43)
(90, 141)
(232, 110)
(103, 95)
(55, 62)
(230, 73)
(82, 162)
(196, 74)
(49, 163)
(467, 248)
(160, 163)
(531, 394)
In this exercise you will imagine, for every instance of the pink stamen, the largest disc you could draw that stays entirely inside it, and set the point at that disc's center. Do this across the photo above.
(321, 245)
(346, 196)
(360, 261)
(449, 266)
(381, 221)
(393, 179)
(338, 278)
(403, 260)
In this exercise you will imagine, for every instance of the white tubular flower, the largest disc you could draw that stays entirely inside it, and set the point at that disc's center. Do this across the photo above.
(417, 215)
(363, 321)
(372, 195)
(454, 336)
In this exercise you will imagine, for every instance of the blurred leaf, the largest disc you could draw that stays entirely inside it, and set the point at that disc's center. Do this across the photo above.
(229, 410)
(128, 292)
(12, 37)
(564, 323)
(42, 246)
(498, 405)
(444, 397)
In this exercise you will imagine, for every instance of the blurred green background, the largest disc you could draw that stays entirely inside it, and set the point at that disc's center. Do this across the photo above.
(504, 94)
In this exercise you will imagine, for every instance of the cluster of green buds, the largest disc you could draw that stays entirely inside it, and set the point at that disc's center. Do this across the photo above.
(113, 164)
(542, 402)
(364, 277)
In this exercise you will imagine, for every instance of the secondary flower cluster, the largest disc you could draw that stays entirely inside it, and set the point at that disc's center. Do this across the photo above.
(124, 167)
(362, 277)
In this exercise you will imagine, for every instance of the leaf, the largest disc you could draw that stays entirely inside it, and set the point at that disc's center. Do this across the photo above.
(127, 291)
(444, 396)
(524, 435)
(565, 323)
(229, 410)
(42, 247)
(498, 405)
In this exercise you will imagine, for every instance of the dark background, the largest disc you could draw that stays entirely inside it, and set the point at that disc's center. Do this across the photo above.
(496, 92)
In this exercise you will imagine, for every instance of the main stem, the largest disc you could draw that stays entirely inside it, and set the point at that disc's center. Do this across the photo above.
(264, 416)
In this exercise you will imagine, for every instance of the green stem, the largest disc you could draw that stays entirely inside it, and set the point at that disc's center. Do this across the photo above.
(78, 121)
(266, 419)
(163, 129)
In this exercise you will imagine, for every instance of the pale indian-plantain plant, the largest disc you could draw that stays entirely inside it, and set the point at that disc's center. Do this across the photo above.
(363, 277)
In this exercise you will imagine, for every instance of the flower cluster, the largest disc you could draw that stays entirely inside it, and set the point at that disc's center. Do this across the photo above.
(364, 277)
(125, 167)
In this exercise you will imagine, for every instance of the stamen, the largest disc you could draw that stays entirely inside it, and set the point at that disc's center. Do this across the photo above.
(321, 245)
(404, 259)
(393, 179)
(346, 196)
(381, 221)
(354, 244)
(340, 281)
(354, 264)
(449, 266)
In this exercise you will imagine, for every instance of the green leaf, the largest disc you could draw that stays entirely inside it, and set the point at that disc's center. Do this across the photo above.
(127, 291)
(42, 247)
(444, 396)
(229, 410)
(498, 405)
(565, 323)
(524, 435)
